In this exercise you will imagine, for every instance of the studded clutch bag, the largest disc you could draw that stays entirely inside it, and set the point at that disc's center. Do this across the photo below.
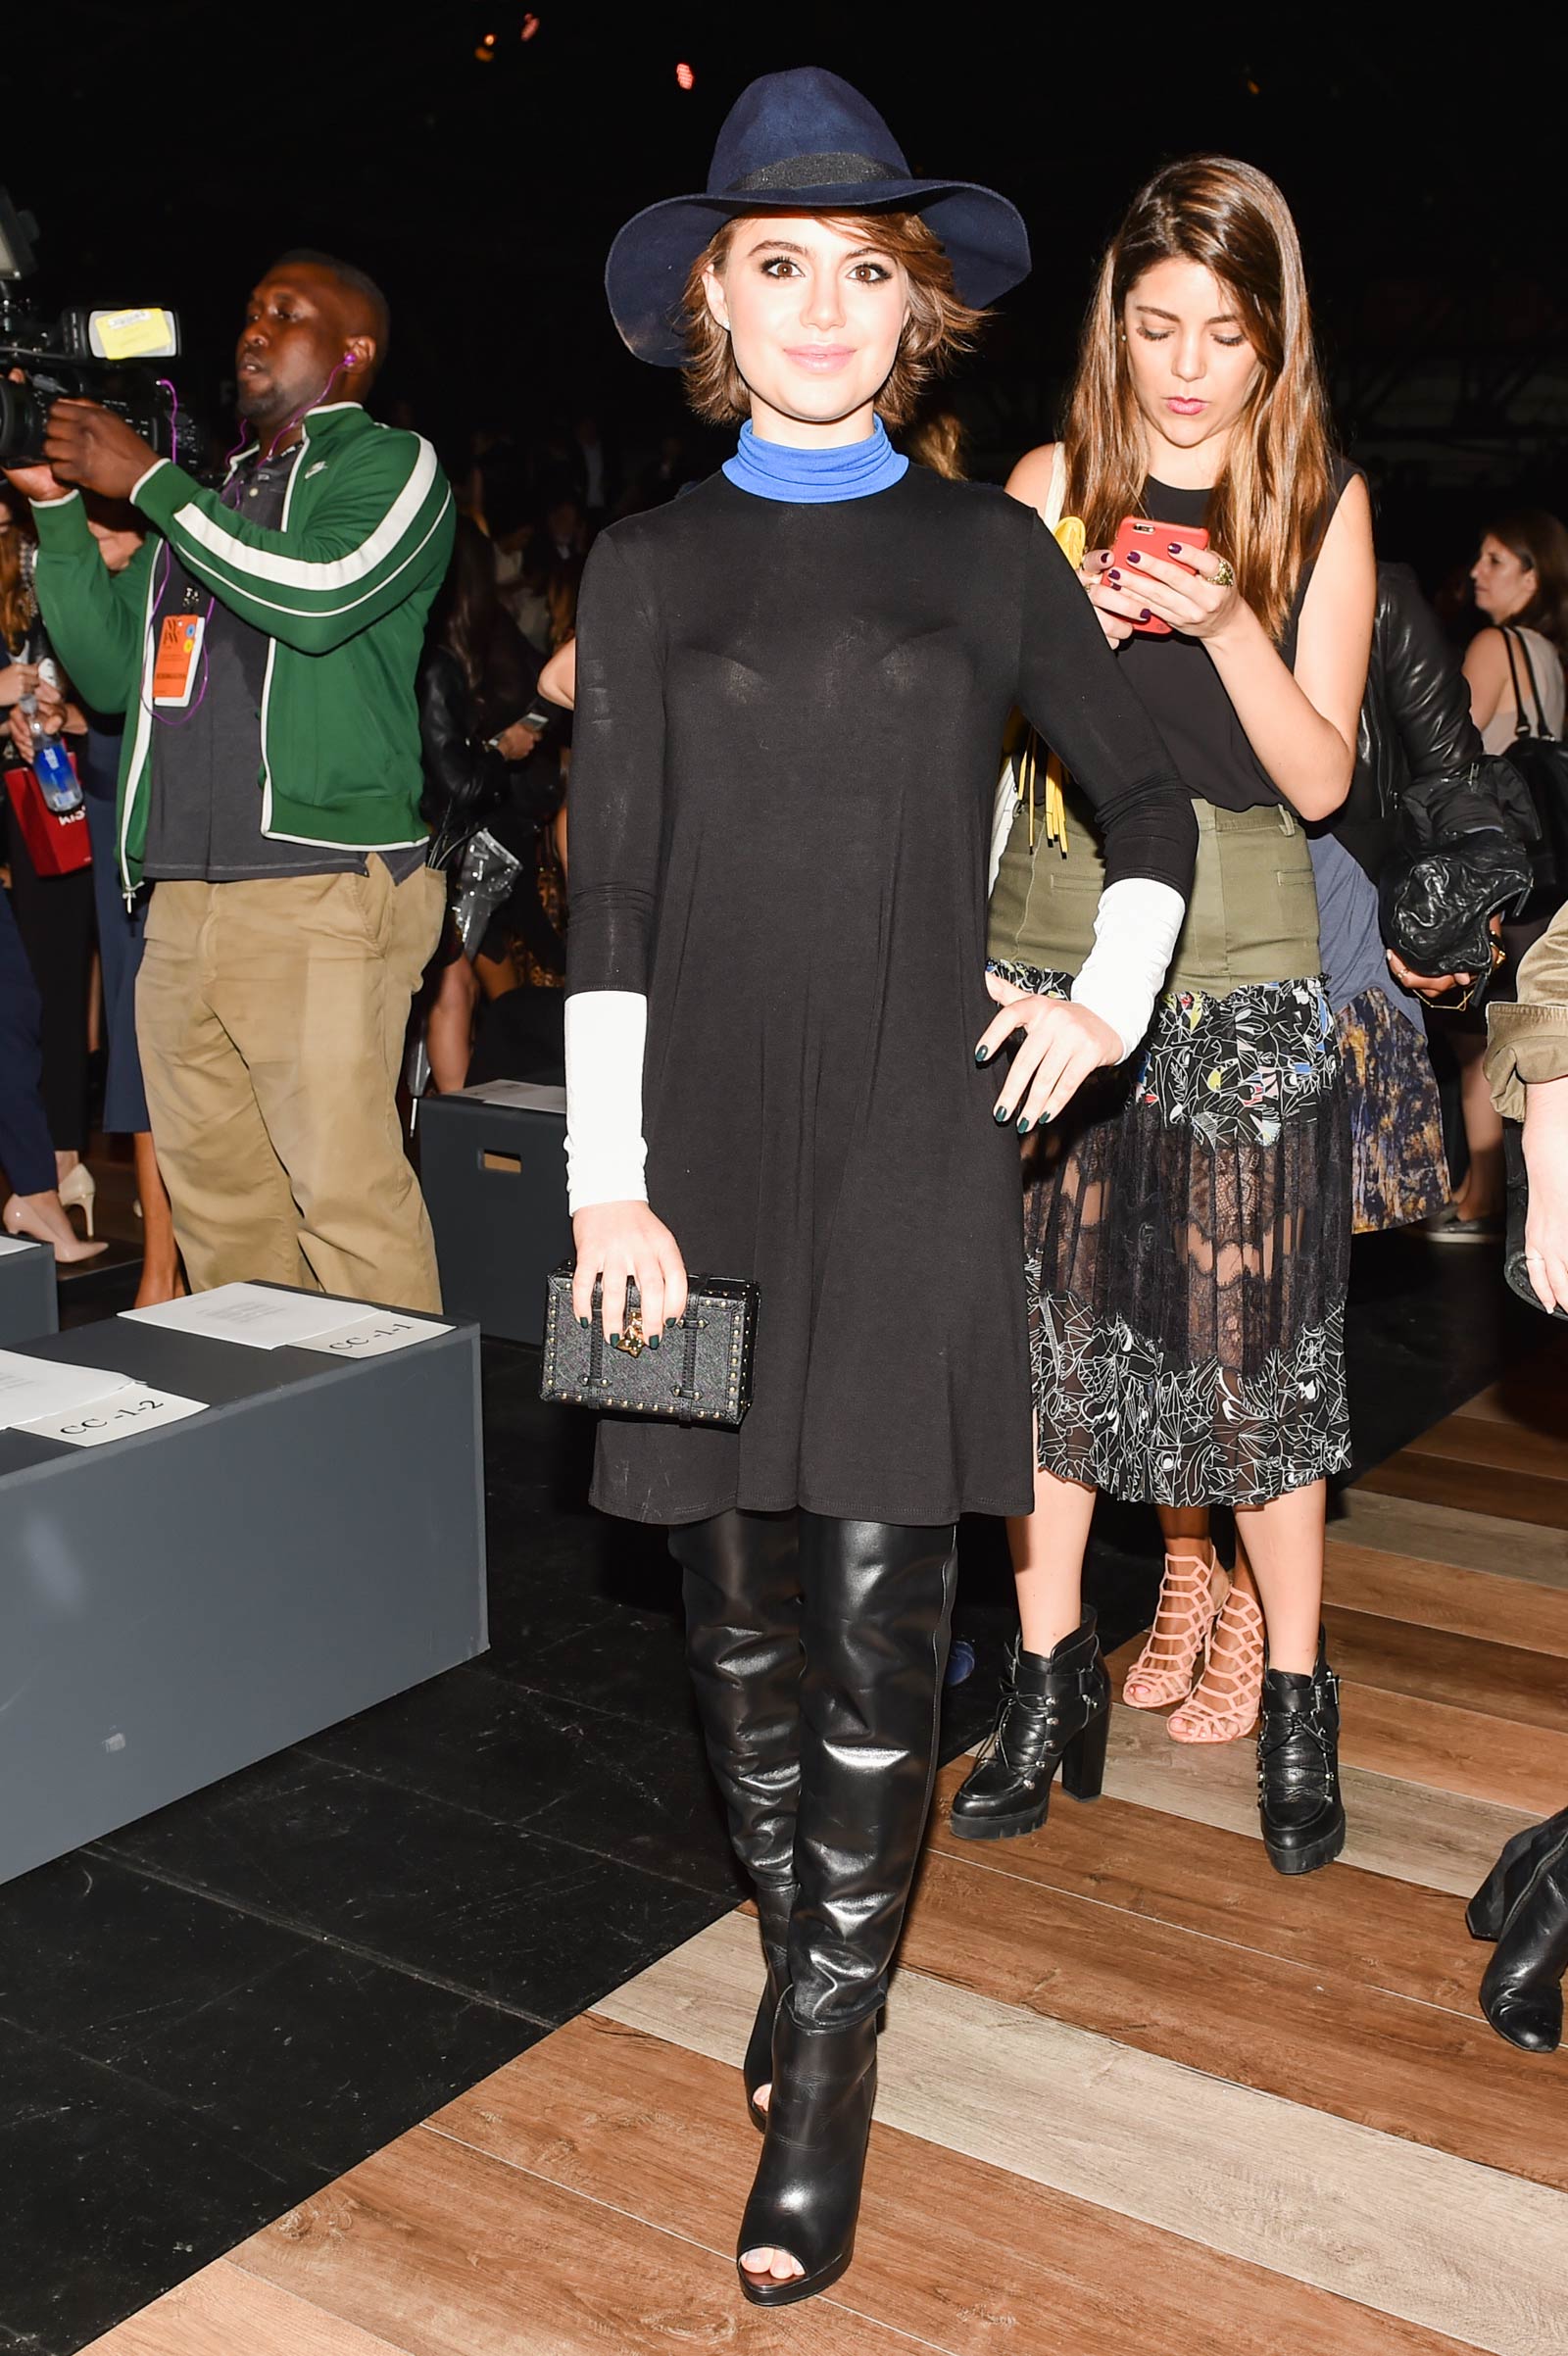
(699, 1372)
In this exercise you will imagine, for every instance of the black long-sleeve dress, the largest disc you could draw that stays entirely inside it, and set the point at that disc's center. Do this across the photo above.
(787, 730)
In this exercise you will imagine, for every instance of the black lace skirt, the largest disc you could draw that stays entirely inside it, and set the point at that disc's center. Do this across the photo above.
(1187, 1229)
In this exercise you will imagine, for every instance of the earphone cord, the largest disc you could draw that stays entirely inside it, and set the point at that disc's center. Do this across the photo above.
(183, 719)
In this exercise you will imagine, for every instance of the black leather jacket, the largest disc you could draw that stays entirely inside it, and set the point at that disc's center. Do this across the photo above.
(467, 783)
(1415, 727)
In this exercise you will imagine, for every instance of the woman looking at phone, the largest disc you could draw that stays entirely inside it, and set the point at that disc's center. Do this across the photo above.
(1189, 1221)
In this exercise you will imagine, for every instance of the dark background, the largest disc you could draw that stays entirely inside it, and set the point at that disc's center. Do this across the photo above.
(174, 150)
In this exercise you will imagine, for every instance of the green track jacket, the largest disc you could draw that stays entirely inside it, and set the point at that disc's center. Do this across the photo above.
(342, 590)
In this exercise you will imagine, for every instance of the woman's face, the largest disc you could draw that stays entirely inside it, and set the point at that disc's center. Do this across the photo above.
(1192, 369)
(1503, 583)
(814, 315)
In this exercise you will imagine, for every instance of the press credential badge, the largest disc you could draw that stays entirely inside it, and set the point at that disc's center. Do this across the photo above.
(180, 647)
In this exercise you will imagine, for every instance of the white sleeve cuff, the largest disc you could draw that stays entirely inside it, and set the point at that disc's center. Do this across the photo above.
(63, 500)
(606, 1031)
(1135, 933)
(136, 488)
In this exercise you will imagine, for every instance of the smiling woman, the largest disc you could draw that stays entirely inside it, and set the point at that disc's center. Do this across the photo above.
(863, 302)
(791, 687)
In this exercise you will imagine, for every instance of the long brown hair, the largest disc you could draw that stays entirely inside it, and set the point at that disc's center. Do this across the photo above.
(1540, 541)
(1272, 502)
(16, 597)
(939, 325)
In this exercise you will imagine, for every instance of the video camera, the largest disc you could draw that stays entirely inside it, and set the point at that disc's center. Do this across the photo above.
(103, 356)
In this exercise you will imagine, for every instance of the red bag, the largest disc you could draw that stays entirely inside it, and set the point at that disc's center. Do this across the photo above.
(56, 845)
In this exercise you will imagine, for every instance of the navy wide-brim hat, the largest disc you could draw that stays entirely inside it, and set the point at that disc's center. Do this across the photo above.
(801, 142)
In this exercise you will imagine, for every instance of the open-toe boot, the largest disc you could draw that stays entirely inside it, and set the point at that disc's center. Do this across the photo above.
(775, 1902)
(740, 1583)
(877, 1600)
(1299, 1800)
(1523, 1904)
(1054, 1712)
(807, 2196)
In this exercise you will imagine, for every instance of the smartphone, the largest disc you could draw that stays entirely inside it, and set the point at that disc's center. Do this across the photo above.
(1139, 533)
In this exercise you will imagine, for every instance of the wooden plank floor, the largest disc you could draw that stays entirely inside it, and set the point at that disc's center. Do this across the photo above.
(1140, 2096)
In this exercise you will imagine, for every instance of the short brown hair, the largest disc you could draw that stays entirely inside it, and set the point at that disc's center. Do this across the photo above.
(939, 327)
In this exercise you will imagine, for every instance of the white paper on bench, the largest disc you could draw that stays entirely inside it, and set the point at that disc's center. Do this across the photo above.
(30, 1388)
(372, 1336)
(19, 1243)
(133, 1409)
(524, 1096)
(259, 1316)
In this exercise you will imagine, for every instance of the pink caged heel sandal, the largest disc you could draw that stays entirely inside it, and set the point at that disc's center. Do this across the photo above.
(1223, 1706)
(1184, 1619)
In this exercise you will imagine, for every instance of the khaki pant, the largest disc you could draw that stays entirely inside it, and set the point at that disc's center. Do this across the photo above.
(271, 1017)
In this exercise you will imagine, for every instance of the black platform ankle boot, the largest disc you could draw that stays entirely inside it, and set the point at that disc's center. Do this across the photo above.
(1523, 1904)
(742, 1592)
(877, 1599)
(775, 1902)
(1299, 1798)
(1054, 1710)
(807, 2196)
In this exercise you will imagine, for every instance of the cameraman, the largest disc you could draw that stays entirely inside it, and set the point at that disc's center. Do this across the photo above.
(262, 648)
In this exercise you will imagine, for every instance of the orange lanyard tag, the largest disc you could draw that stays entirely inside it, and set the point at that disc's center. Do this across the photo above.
(179, 646)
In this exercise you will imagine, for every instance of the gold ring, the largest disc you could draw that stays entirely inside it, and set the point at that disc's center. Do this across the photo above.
(1223, 574)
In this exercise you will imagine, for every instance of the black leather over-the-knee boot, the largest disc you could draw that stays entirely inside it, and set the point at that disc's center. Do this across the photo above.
(1523, 1904)
(878, 1599)
(740, 1582)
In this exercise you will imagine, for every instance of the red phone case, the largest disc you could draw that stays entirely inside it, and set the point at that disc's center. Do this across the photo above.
(1139, 533)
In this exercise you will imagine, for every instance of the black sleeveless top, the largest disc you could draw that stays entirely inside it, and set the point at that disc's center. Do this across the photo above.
(1184, 693)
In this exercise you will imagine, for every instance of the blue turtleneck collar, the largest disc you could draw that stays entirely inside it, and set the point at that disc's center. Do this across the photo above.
(813, 477)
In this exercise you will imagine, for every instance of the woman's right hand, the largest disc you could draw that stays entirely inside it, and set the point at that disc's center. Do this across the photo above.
(621, 1241)
(17, 679)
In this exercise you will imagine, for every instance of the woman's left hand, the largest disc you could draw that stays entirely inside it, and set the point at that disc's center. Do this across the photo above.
(1191, 593)
(1060, 1043)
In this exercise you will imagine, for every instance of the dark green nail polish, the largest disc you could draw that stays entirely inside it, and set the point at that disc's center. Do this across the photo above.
(982, 1054)
(1002, 1117)
(583, 1322)
(614, 1341)
(670, 1321)
(652, 1341)
(1024, 1124)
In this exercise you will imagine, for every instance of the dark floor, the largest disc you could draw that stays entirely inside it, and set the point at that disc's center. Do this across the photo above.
(210, 2015)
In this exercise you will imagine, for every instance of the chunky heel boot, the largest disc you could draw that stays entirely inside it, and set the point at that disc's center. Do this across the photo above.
(1299, 1798)
(807, 2196)
(1054, 1710)
(877, 1603)
(774, 1902)
(1503, 1887)
(1526, 1895)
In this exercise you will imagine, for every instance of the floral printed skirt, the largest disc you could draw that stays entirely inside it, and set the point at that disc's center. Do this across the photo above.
(1187, 1224)
(1398, 1168)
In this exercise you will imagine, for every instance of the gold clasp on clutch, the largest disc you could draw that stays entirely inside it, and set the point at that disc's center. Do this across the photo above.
(630, 1340)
